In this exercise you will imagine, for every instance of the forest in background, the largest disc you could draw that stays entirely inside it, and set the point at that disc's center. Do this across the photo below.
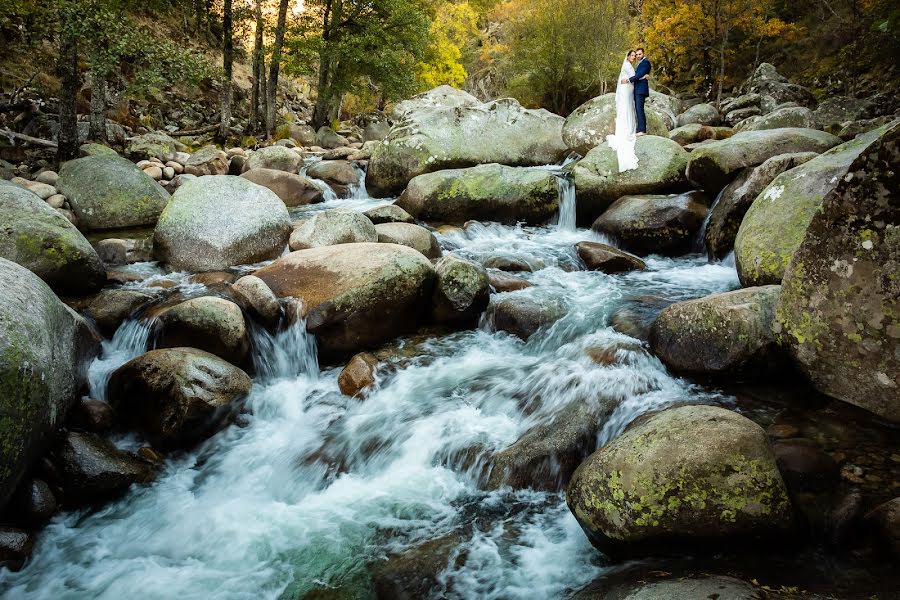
(118, 58)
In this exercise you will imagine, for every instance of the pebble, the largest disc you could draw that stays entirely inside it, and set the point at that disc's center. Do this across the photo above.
(177, 167)
(168, 173)
(56, 201)
(154, 172)
(48, 177)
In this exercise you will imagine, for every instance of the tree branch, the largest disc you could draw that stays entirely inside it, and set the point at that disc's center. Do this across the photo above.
(27, 139)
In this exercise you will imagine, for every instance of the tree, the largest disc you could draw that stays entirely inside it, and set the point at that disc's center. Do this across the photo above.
(258, 84)
(455, 25)
(67, 69)
(227, 59)
(274, 66)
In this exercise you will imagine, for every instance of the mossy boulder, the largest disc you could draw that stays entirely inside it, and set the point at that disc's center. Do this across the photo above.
(43, 241)
(355, 296)
(428, 140)
(109, 192)
(655, 224)
(700, 114)
(177, 396)
(275, 157)
(412, 235)
(152, 145)
(714, 165)
(215, 222)
(340, 175)
(110, 307)
(589, 124)
(390, 213)
(607, 259)
(695, 133)
(776, 222)
(212, 324)
(443, 96)
(208, 160)
(331, 227)
(45, 348)
(691, 476)
(598, 182)
(789, 116)
(840, 302)
(483, 193)
(461, 292)
(294, 190)
(731, 333)
(735, 200)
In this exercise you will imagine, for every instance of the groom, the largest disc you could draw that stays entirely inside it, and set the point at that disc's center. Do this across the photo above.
(641, 89)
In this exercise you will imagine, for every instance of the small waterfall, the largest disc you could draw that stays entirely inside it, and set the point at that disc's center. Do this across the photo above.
(700, 240)
(565, 220)
(359, 191)
(289, 352)
(129, 341)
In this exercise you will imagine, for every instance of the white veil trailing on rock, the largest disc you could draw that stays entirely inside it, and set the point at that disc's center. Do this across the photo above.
(626, 121)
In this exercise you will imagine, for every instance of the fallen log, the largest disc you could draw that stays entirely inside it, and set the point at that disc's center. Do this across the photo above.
(198, 131)
(27, 139)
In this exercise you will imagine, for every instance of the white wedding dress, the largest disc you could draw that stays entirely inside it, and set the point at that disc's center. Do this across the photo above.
(626, 122)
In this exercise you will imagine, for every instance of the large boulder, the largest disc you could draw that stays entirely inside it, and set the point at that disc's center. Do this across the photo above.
(607, 259)
(110, 307)
(767, 81)
(255, 297)
(429, 140)
(654, 224)
(213, 223)
(208, 160)
(355, 296)
(45, 348)
(109, 192)
(735, 200)
(714, 165)
(212, 324)
(589, 124)
(443, 96)
(275, 157)
(331, 227)
(483, 193)
(706, 587)
(731, 333)
(412, 235)
(390, 213)
(667, 107)
(340, 175)
(700, 114)
(177, 396)
(40, 239)
(523, 317)
(777, 220)
(695, 133)
(598, 182)
(328, 138)
(790, 116)
(461, 291)
(699, 475)
(151, 145)
(841, 293)
(294, 190)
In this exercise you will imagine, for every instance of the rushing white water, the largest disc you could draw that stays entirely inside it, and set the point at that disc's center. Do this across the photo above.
(129, 341)
(565, 220)
(316, 485)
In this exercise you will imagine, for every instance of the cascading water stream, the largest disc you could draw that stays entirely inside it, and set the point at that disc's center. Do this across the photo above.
(129, 341)
(565, 220)
(700, 241)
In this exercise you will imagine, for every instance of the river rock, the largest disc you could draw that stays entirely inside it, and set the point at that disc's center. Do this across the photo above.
(667, 107)
(212, 324)
(377, 131)
(546, 455)
(331, 227)
(461, 292)
(504, 282)
(109, 308)
(805, 466)
(255, 297)
(15, 547)
(731, 333)
(655, 224)
(838, 307)
(608, 259)
(767, 81)
(92, 149)
(442, 97)
(884, 522)
(523, 317)
(213, 223)
(854, 128)
(177, 396)
(390, 213)
(707, 587)
(796, 116)
(33, 503)
(328, 138)
(777, 221)
(304, 134)
(483, 193)
(90, 469)
(715, 165)
(358, 375)
(151, 145)
(294, 190)
(338, 174)
(637, 314)
(701, 114)
(742, 101)
(699, 476)
(598, 182)
(208, 160)
(696, 133)
(275, 157)
(429, 140)
(357, 295)
(736, 117)
(589, 124)
(40, 239)
(108, 192)
(737, 197)
(45, 348)
(92, 415)
(409, 234)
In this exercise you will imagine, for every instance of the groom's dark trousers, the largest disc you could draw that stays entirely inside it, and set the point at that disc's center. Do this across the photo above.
(641, 92)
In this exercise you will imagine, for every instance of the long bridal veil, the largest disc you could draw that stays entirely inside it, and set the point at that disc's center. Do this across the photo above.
(626, 121)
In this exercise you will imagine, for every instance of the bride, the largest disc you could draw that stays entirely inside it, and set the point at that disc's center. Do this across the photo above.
(626, 118)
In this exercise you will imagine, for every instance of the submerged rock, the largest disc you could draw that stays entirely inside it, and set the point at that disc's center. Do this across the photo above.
(838, 307)
(43, 241)
(637, 314)
(45, 349)
(331, 227)
(109, 192)
(776, 223)
(700, 476)
(655, 224)
(213, 223)
(589, 124)
(358, 375)
(608, 259)
(355, 296)
(461, 291)
(294, 190)
(212, 324)
(484, 193)
(731, 333)
(522, 317)
(177, 396)
(504, 282)
(411, 235)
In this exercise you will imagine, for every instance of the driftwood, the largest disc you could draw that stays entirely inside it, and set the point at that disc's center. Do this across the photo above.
(198, 131)
(27, 139)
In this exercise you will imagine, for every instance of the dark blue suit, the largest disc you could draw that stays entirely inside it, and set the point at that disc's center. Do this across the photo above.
(641, 91)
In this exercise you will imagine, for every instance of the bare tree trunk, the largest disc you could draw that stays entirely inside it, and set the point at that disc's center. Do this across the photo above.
(227, 59)
(97, 131)
(325, 96)
(272, 87)
(259, 71)
(67, 68)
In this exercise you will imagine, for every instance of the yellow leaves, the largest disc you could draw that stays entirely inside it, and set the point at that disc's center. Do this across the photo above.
(455, 24)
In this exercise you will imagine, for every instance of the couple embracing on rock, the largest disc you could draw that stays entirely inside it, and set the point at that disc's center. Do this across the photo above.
(631, 95)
